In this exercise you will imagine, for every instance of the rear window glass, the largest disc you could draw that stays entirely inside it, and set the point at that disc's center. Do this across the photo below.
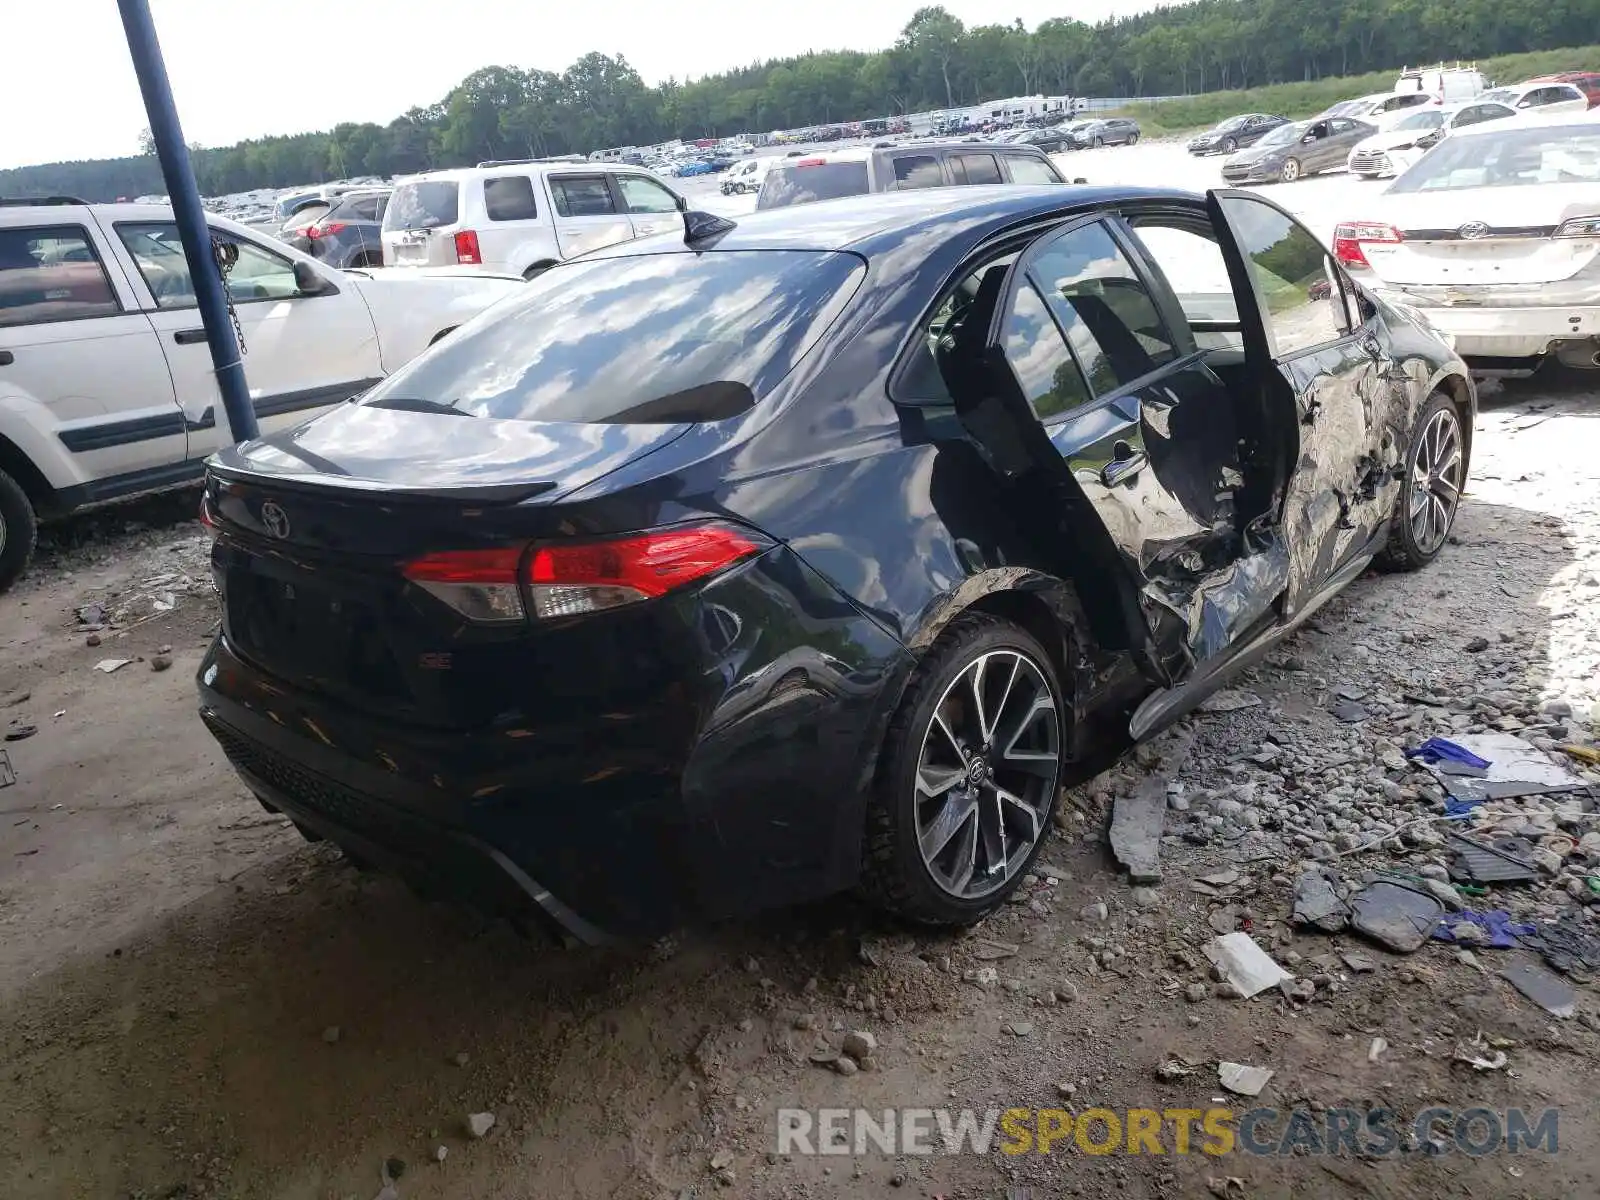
(51, 275)
(647, 339)
(1514, 156)
(423, 205)
(802, 185)
(975, 168)
(509, 199)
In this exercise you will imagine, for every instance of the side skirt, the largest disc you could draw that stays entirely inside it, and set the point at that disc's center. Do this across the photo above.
(1163, 707)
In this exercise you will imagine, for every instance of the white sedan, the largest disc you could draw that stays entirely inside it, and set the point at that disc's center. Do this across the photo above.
(1494, 236)
(1406, 140)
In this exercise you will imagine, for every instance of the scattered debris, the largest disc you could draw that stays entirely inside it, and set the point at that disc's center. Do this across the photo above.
(331, 1034)
(1395, 915)
(8, 775)
(1350, 712)
(1493, 928)
(1479, 1054)
(1564, 945)
(1317, 903)
(19, 731)
(1018, 1028)
(1229, 700)
(1137, 819)
(1376, 1049)
(858, 1044)
(1196, 992)
(1221, 879)
(1244, 965)
(985, 950)
(440, 1153)
(1173, 1068)
(1511, 767)
(1230, 1187)
(479, 1124)
(1243, 1080)
(1479, 862)
(1358, 962)
(109, 665)
(984, 977)
(1548, 991)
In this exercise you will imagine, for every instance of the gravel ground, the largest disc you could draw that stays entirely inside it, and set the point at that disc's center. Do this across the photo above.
(194, 1003)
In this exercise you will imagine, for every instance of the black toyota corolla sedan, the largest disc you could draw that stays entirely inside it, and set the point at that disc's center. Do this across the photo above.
(734, 569)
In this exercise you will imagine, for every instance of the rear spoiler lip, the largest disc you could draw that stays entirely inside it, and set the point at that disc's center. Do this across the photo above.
(492, 493)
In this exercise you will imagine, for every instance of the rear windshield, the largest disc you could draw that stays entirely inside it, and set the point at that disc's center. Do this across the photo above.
(641, 340)
(788, 185)
(1518, 156)
(422, 205)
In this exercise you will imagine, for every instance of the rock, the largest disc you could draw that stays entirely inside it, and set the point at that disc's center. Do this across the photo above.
(92, 640)
(806, 1022)
(858, 1044)
(440, 1153)
(1196, 992)
(1317, 903)
(479, 1124)
(160, 662)
(330, 1034)
(721, 1159)
(867, 1063)
(1145, 897)
(393, 1169)
(1095, 912)
(1066, 1090)
(984, 977)
(461, 1058)
(1476, 645)
(1018, 1028)
(1444, 893)
(845, 1066)
(1065, 992)
(1396, 916)
(1137, 820)
(1556, 708)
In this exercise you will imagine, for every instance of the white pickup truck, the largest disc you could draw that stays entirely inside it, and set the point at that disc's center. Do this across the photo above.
(106, 383)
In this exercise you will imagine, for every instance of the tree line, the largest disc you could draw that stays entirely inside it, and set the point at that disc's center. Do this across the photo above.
(937, 62)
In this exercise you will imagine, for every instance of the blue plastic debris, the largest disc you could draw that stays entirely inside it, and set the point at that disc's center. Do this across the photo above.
(1438, 750)
(1496, 923)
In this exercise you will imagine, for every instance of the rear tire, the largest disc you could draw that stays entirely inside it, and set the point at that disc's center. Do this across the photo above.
(1425, 511)
(942, 845)
(1097, 143)
(19, 531)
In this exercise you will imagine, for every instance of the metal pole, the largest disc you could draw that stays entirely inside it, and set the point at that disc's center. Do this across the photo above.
(190, 216)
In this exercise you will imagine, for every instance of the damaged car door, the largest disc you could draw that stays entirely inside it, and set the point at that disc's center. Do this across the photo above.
(1319, 357)
(1096, 352)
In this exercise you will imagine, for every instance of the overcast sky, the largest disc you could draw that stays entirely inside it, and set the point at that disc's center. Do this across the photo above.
(246, 68)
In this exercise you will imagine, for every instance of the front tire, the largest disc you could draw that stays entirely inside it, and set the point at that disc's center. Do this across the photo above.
(1133, 139)
(1097, 143)
(1291, 170)
(19, 531)
(1229, 145)
(969, 777)
(1436, 475)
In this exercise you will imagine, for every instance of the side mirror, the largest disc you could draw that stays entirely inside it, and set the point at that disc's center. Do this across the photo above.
(307, 282)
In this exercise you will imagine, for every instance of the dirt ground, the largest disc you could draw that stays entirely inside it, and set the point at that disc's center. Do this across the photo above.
(195, 1003)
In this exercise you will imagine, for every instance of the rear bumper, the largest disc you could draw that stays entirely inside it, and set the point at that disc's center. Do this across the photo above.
(1505, 332)
(740, 786)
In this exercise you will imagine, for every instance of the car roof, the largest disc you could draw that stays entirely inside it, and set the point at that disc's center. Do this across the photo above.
(460, 174)
(1577, 122)
(875, 223)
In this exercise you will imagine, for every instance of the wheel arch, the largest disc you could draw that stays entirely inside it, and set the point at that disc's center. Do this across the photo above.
(21, 468)
(1462, 394)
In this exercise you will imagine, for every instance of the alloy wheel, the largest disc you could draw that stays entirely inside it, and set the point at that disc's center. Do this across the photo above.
(1435, 481)
(1229, 146)
(987, 773)
(1291, 170)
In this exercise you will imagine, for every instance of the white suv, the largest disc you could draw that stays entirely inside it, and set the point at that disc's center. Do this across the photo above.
(106, 383)
(523, 217)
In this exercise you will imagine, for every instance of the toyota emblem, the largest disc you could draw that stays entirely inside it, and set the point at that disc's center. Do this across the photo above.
(1474, 229)
(274, 520)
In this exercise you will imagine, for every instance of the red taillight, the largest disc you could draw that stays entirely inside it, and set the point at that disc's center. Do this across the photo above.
(589, 577)
(316, 231)
(467, 247)
(810, 162)
(569, 579)
(481, 585)
(1349, 236)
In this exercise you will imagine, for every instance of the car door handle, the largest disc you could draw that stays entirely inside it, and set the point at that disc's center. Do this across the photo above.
(7, 358)
(188, 337)
(1124, 466)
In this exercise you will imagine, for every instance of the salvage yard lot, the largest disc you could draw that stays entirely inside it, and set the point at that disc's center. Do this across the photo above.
(194, 1002)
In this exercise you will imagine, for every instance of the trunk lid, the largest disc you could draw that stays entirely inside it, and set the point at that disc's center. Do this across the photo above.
(316, 524)
(1510, 242)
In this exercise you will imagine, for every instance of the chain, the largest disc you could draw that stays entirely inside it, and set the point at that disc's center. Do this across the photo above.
(223, 268)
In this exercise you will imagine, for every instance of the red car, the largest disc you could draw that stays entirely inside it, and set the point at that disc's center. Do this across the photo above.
(1587, 82)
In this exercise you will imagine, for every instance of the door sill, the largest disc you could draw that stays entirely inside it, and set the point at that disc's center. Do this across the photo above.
(1162, 708)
